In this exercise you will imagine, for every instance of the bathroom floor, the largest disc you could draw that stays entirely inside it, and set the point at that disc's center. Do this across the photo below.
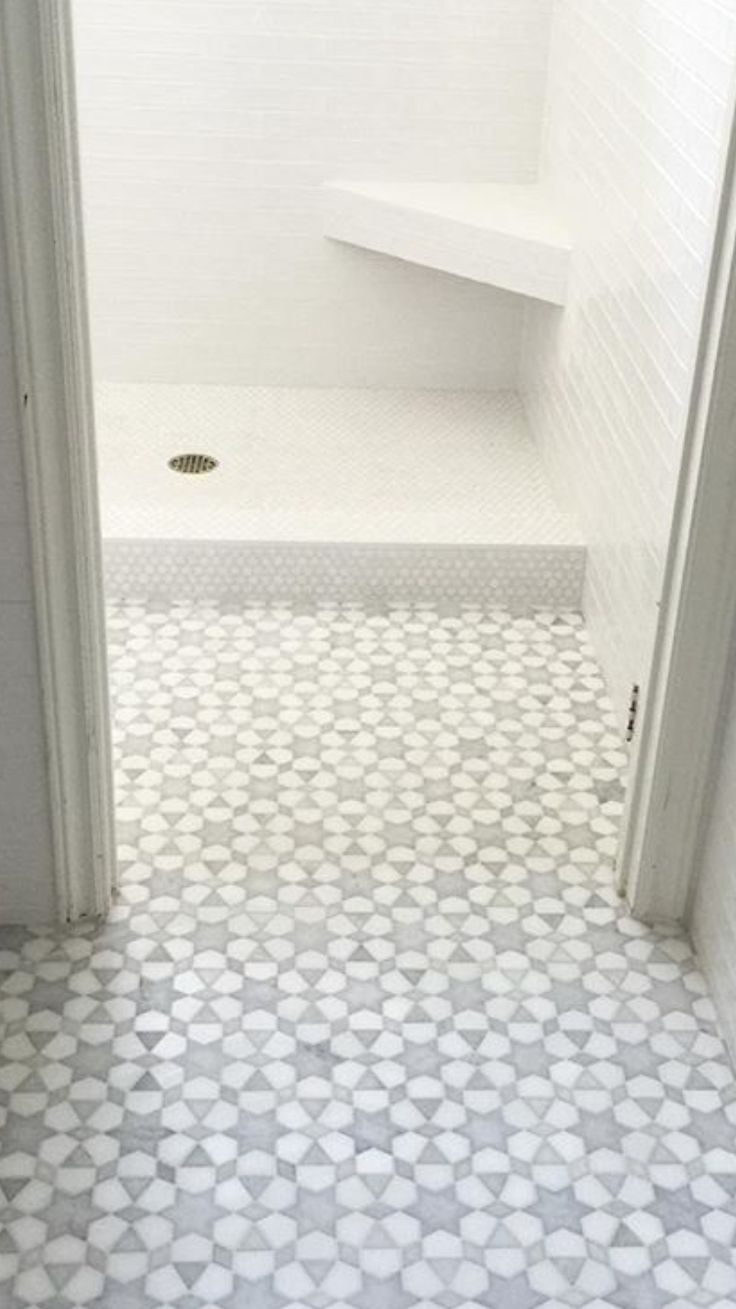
(368, 1024)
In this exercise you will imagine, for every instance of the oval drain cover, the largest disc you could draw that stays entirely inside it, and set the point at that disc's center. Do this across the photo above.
(192, 463)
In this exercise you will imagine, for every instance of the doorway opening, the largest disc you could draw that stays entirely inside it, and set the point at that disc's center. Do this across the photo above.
(368, 1017)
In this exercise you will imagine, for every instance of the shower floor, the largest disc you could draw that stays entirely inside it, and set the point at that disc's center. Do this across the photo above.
(368, 1026)
(430, 492)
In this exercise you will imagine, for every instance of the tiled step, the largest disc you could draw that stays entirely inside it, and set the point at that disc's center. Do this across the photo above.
(513, 575)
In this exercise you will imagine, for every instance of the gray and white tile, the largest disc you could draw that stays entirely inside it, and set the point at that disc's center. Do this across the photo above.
(368, 1023)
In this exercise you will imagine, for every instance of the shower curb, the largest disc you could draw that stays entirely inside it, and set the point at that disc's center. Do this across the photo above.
(548, 576)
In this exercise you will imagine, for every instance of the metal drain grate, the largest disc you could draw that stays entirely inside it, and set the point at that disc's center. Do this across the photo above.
(192, 463)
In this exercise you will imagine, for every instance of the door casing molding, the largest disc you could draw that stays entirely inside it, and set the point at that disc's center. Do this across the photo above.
(676, 756)
(48, 292)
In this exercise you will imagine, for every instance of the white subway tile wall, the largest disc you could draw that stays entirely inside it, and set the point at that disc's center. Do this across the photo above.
(26, 866)
(207, 129)
(638, 118)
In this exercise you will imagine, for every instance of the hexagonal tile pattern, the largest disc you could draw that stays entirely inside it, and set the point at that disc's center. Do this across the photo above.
(368, 1024)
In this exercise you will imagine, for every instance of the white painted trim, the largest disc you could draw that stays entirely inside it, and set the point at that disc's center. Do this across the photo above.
(40, 184)
(676, 757)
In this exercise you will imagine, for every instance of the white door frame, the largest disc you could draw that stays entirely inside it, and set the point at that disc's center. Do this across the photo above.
(675, 755)
(39, 184)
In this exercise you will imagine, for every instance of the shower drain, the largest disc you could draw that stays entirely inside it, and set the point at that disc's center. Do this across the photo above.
(192, 463)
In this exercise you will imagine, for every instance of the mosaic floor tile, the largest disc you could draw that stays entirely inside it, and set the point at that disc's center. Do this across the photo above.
(368, 1024)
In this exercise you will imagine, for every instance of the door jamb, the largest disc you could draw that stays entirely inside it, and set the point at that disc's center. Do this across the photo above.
(674, 765)
(675, 758)
(48, 293)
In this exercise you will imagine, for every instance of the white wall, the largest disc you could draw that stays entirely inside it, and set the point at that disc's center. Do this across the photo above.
(637, 123)
(26, 859)
(207, 127)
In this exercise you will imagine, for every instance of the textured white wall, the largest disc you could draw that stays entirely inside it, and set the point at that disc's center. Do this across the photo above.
(638, 115)
(207, 128)
(26, 860)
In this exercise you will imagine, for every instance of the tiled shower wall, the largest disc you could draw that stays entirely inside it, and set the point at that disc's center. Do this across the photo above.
(638, 116)
(208, 127)
(26, 864)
